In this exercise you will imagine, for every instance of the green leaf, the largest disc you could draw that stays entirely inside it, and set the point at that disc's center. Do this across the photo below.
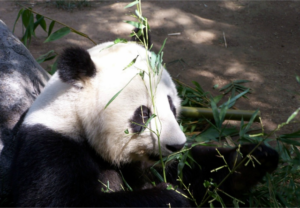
(170, 187)
(292, 135)
(298, 79)
(226, 86)
(153, 60)
(232, 101)
(53, 67)
(58, 34)
(19, 14)
(136, 24)
(116, 95)
(50, 28)
(289, 141)
(127, 185)
(181, 163)
(148, 121)
(162, 47)
(80, 33)
(216, 114)
(293, 116)
(131, 63)
(126, 131)
(241, 81)
(46, 57)
(223, 113)
(26, 17)
(139, 15)
(132, 4)
(120, 40)
(42, 22)
(208, 135)
(217, 98)
(154, 171)
(31, 26)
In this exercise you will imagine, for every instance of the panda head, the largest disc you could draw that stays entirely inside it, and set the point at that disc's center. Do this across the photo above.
(74, 103)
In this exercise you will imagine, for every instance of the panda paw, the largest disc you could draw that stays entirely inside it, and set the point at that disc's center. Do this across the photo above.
(259, 162)
(176, 195)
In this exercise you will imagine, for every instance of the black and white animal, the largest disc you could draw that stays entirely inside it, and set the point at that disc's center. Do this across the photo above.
(69, 145)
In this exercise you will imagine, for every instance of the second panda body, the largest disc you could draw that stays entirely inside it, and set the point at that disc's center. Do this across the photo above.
(80, 145)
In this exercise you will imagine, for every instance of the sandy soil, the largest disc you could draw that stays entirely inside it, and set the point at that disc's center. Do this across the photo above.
(263, 44)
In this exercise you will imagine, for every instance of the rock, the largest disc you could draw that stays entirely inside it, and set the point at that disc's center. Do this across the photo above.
(21, 80)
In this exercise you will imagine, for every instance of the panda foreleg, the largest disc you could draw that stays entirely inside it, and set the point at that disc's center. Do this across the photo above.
(239, 181)
(52, 170)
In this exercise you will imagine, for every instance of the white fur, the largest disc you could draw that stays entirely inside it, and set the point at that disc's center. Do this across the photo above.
(80, 113)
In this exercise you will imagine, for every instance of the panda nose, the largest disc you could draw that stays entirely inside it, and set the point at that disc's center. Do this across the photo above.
(175, 147)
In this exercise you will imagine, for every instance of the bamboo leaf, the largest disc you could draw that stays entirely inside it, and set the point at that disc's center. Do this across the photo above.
(162, 47)
(136, 24)
(292, 116)
(19, 14)
(53, 67)
(251, 121)
(46, 57)
(58, 34)
(128, 186)
(241, 81)
(154, 171)
(26, 17)
(223, 112)
(148, 121)
(232, 101)
(228, 89)
(31, 26)
(153, 60)
(131, 63)
(139, 15)
(50, 28)
(226, 86)
(292, 135)
(120, 40)
(181, 163)
(131, 4)
(80, 33)
(41, 21)
(298, 79)
(289, 141)
(116, 95)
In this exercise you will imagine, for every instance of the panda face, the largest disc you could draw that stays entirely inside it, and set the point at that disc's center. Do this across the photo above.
(74, 104)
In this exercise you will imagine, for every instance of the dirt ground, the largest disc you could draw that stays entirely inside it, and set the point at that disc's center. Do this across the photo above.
(263, 44)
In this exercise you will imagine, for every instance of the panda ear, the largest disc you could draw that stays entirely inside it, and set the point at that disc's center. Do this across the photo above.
(75, 64)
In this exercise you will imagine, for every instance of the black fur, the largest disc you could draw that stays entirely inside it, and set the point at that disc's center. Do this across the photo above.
(75, 64)
(50, 169)
(172, 107)
(140, 117)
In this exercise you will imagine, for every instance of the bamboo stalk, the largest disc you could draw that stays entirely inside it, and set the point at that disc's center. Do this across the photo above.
(231, 114)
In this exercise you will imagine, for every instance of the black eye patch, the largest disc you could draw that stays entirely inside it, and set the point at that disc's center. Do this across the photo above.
(173, 109)
(140, 117)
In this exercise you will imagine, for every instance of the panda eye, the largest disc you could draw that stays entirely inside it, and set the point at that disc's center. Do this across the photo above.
(144, 112)
(140, 117)
(172, 107)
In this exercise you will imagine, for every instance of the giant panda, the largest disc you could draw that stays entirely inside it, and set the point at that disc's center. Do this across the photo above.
(80, 145)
